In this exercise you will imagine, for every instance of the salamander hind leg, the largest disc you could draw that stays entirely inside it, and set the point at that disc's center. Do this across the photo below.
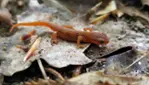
(54, 38)
(88, 29)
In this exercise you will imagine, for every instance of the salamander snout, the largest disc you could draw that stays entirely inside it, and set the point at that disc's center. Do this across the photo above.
(101, 38)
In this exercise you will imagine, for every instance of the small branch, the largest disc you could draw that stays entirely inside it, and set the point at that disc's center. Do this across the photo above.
(57, 74)
(42, 70)
(137, 60)
(92, 10)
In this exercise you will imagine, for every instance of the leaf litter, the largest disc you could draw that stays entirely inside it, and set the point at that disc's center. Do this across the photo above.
(59, 55)
(119, 31)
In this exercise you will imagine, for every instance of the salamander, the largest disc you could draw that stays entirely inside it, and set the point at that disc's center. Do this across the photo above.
(69, 34)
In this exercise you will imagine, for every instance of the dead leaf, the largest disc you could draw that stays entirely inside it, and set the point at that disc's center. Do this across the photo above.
(120, 59)
(99, 78)
(59, 55)
(100, 19)
(134, 12)
(121, 34)
(92, 10)
(109, 8)
(104, 13)
(62, 54)
(101, 8)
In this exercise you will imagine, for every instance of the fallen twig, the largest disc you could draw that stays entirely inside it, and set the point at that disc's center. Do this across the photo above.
(57, 74)
(137, 60)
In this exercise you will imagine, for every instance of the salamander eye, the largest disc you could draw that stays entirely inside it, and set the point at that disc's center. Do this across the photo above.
(101, 41)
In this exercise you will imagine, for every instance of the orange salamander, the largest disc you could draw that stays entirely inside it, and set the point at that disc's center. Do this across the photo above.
(69, 34)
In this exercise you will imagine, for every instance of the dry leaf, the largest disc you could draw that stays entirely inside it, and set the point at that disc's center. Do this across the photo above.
(100, 19)
(134, 12)
(105, 12)
(60, 55)
(120, 59)
(109, 8)
(99, 78)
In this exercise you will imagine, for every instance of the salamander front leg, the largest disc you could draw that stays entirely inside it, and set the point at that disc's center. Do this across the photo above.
(54, 38)
(79, 39)
(88, 29)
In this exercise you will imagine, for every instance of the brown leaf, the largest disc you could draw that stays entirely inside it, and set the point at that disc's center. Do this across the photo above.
(134, 12)
(111, 6)
(59, 55)
(99, 78)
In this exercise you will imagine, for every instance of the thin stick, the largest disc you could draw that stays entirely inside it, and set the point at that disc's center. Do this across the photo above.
(57, 74)
(42, 70)
(92, 10)
(140, 58)
(31, 51)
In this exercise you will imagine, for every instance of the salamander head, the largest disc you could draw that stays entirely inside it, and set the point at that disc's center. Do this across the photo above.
(99, 38)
